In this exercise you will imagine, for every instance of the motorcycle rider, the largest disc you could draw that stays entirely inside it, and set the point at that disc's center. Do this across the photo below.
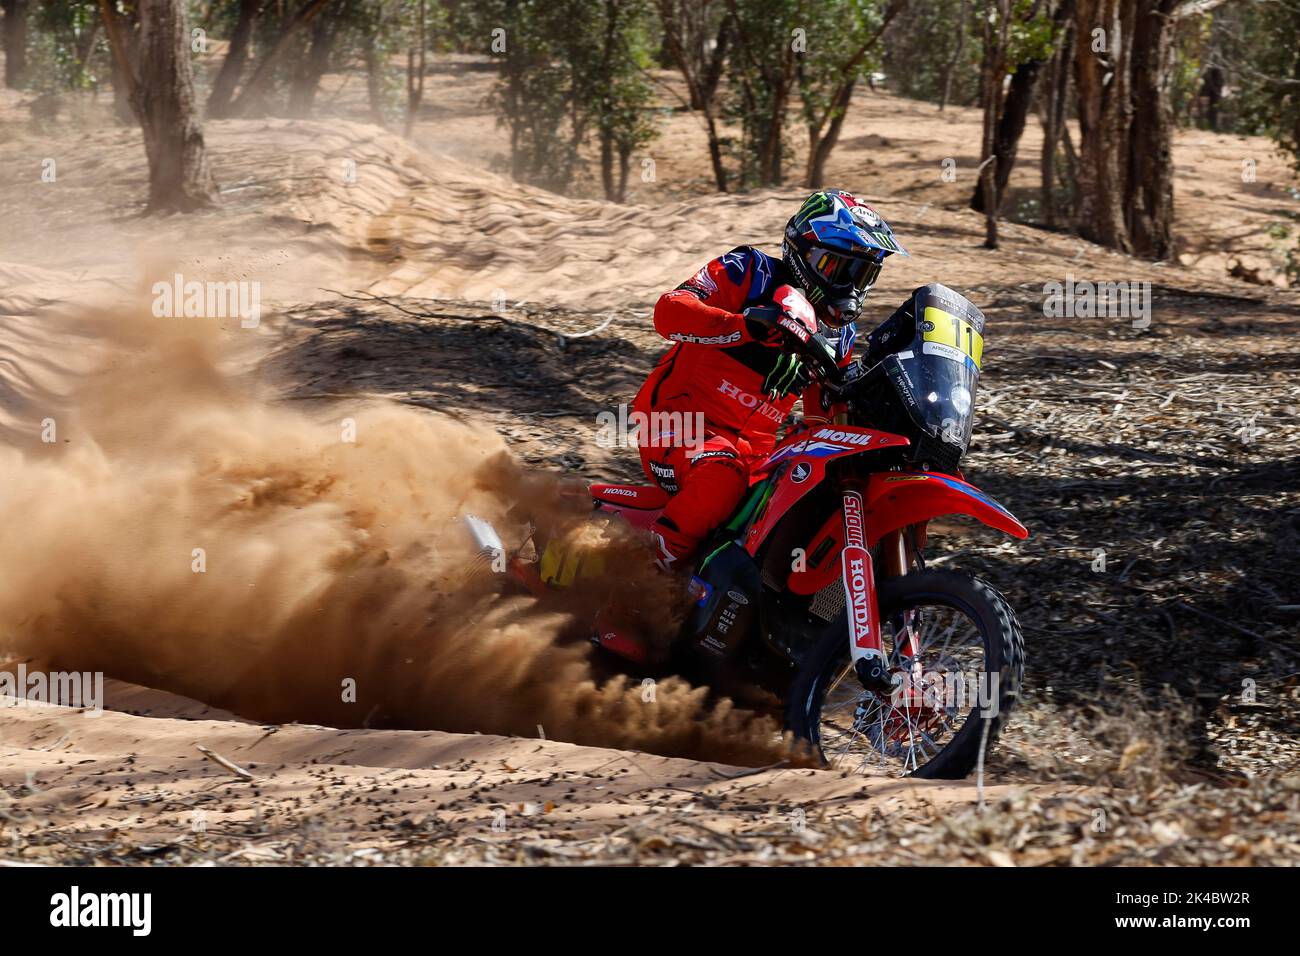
(735, 327)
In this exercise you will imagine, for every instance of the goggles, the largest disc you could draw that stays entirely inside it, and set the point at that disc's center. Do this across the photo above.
(841, 270)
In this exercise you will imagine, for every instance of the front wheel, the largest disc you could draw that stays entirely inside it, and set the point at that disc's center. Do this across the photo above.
(957, 656)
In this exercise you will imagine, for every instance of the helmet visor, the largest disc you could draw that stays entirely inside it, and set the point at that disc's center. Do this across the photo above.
(838, 269)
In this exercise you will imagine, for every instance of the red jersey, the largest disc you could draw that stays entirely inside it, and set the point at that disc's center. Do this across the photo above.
(716, 366)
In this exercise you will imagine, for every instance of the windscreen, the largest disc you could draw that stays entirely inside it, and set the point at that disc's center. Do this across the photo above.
(937, 374)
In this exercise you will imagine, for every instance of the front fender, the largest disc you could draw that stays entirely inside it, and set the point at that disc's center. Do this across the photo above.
(895, 499)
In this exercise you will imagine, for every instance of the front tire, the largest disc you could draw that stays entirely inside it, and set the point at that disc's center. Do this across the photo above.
(924, 734)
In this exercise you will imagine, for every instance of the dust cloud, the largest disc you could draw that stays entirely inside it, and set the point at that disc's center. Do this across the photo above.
(189, 529)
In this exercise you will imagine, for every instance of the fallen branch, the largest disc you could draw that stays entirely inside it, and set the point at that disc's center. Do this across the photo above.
(216, 758)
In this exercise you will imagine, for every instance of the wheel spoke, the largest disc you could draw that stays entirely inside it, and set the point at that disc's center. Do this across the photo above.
(900, 734)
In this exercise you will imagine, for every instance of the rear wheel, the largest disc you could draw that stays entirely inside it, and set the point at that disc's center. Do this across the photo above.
(957, 655)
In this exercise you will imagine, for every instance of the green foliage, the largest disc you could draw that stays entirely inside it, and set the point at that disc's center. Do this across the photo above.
(761, 70)
(841, 29)
(619, 89)
(1031, 35)
(388, 29)
(1258, 47)
(570, 69)
(1261, 46)
(926, 42)
(1192, 46)
(68, 48)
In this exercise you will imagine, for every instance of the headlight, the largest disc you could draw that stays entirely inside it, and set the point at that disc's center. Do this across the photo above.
(960, 398)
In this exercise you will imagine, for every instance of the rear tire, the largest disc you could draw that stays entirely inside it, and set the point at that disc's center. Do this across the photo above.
(1003, 655)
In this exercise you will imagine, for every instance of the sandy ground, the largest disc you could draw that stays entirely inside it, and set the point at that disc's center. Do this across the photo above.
(415, 273)
(132, 777)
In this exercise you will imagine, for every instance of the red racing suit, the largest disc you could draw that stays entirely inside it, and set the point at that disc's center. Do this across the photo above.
(708, 421)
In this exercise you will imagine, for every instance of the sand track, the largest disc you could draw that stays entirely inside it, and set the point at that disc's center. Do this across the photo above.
(133, 785)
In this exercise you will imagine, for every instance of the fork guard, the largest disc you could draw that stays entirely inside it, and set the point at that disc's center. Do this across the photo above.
(896, 499)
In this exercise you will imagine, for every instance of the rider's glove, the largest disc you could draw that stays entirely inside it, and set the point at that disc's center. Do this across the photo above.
(780, 324)
(761, 323)
(789, 374)
(788, 324)
(849, 375)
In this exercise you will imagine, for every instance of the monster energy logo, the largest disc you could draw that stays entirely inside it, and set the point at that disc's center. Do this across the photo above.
(814, 205)
(885, 239)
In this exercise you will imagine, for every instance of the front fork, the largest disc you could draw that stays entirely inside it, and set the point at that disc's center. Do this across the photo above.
(859, 579)
(865, 646)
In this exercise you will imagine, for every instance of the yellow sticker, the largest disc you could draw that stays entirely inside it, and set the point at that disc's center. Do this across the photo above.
(947, 329)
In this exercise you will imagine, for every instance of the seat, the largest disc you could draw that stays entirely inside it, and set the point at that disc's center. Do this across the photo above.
(641, 497)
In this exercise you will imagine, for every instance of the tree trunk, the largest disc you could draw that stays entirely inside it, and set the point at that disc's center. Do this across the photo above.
(1015, 111)
(1150, 201)
(415, 75)
(713, 67)
(624, 168)
(771, 157)
(15, 41)
(1125, 171)
(1006, 138)
(991, 81)
(1055, 98)
(258, 83)
(824, 129)
(374, 83)
(179, 177)
(123, 32)
(701, 77)
(820, 147)
(314, 61)
(223, 87)
(85, 47)
(951, 65)
(607, 155)
(715, 150)
(772, 147)
(1101, 82)
(1212, 90)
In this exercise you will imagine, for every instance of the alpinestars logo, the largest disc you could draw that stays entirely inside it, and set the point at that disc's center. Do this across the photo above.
(703, 281)
(689, 339)
(666, 557)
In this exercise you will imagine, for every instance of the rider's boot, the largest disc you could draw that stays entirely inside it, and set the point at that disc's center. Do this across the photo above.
(619, 631)
(614, 634)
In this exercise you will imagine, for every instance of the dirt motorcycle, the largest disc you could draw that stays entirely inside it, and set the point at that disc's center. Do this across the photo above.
(816, 592)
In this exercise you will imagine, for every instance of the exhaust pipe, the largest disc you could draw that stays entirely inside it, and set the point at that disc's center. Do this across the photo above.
(488, 548)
